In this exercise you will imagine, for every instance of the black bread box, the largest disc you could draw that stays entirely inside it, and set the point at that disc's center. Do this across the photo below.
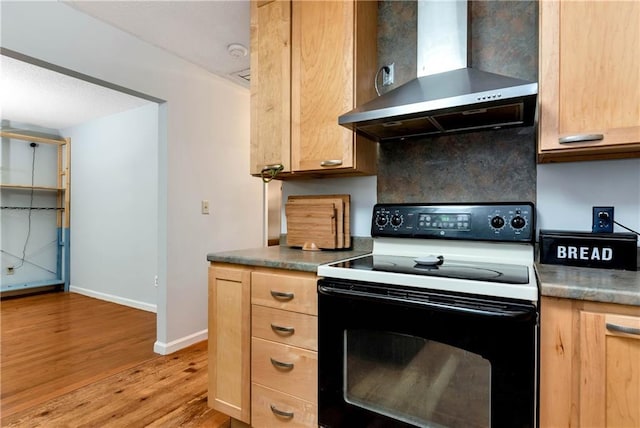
(586, 249)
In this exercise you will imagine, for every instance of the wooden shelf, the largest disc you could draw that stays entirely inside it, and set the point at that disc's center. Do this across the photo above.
(27, 187)
(32, 138)
(61, 191)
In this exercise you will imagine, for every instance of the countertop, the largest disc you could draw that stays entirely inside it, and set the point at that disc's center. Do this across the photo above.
(599, 285)
(282, 257)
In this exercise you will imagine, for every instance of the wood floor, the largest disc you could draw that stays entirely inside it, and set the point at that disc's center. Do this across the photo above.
(73, 361)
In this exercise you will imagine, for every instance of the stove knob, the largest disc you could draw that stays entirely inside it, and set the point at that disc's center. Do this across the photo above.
(382, 220)
(497, 222)
(518, 222)
(396, 220)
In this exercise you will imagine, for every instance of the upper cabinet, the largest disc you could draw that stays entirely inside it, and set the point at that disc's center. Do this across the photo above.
(589, 80)
(311, 61)
(270, 85)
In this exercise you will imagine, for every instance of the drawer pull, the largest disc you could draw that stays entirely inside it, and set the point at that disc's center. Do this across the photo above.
(623, 329)
(331, 162)
(281, 296)
(281, 413)
(269, 172)
(282, 331)
(280, 365)
(580, 138)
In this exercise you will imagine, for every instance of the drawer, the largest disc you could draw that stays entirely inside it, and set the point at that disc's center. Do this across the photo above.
(294, 291)
(285, 368)
(291, 328)
(272, 409)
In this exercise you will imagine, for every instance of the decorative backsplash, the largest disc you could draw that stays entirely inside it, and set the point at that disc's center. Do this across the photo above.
(481, 166)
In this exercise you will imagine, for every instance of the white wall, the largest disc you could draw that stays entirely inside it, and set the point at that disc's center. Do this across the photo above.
(114, 216)
(568, 191)
(203, 149)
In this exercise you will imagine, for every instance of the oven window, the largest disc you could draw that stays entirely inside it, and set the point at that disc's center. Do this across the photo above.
(384, 371)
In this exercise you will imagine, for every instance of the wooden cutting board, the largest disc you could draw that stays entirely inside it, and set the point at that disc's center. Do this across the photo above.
(311, 226)
(337, 203)
(342, 216)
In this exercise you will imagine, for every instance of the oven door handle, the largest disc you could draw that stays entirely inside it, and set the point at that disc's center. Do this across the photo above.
(512, 311)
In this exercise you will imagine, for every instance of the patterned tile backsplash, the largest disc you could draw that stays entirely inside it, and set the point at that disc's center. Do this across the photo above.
(480, 166)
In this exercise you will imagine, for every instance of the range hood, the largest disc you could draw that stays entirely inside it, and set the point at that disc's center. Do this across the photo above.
(447, 96)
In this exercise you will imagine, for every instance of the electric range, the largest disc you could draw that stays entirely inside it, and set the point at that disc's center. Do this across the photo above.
(481, 249)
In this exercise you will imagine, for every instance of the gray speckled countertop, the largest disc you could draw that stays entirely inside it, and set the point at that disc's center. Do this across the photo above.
(599, 285)
(282, 257)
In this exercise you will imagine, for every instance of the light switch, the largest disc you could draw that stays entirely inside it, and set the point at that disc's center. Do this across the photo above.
(205, 206)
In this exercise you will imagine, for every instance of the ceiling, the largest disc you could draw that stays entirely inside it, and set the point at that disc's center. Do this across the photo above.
(37, 96)
(197, 31)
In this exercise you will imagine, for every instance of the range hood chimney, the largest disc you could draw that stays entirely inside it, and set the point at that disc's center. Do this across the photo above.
(447, 96)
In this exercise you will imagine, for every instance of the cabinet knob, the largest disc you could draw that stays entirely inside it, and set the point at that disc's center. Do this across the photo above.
(282, 331)
(269, 172)
(623, 329)
(577, 138)
(281, 365)
(279, 295)
(331, 162)
(281, 413)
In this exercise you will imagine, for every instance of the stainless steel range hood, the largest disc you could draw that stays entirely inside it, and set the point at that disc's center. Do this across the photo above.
(447, 96)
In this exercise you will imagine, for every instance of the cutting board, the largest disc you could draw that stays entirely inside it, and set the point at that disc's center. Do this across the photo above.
(342, 204)
(311, 226)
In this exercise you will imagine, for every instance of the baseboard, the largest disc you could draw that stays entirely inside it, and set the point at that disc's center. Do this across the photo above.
(163, 348)
(115, 299)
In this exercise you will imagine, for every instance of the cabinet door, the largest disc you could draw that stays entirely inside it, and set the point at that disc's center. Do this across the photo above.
(609, 370)
(557, 405)
(270, 84)
(589, 78)
(322, 84)
(230, 341)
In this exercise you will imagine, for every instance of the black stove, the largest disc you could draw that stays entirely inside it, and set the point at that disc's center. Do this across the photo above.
(484, 249)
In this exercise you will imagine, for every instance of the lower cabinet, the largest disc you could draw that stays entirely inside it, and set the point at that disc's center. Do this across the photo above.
(263, 342)
(589, 364)
(230, 341)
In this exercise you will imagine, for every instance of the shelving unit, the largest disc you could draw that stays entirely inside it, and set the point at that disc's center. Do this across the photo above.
(61, 191)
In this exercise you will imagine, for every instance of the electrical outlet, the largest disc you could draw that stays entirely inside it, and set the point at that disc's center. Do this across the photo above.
(602, 220)
(205, 206)
(388, 76)
(10, 270)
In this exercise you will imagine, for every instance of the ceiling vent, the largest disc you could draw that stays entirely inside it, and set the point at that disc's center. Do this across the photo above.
(243, 77)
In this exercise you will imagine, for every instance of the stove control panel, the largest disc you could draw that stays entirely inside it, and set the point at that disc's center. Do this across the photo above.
(483, 222)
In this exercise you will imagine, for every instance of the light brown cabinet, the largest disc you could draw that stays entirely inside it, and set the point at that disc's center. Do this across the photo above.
(589, 83)
(263, 342)
(284, 357)
(589, 364)
(230, 340)
(311, 61)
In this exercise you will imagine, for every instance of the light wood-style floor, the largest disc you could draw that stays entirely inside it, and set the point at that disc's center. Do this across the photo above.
(72, 361)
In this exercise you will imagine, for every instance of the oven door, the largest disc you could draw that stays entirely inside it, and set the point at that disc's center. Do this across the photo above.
(393, 357)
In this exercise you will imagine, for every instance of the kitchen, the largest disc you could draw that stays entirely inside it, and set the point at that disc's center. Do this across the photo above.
(441, 168)
(564, 207)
